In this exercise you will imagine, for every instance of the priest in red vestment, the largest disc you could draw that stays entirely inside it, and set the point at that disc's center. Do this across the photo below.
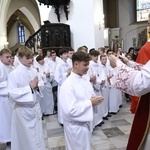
(136, 82)
(143, 58)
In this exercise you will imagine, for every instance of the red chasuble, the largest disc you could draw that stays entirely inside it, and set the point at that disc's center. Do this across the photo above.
(141, 121)
(134, 102)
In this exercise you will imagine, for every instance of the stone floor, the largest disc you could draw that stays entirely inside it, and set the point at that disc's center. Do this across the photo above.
(113, 135)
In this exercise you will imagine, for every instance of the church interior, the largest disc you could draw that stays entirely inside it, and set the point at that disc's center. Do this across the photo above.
(56, 24)
(107, 22)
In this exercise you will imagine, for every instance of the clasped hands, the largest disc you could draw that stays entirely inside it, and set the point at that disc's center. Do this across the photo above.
(96, 100)
(34, 83)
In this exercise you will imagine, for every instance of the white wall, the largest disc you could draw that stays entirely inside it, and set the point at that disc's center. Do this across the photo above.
(84, 29)
(98, 23)
(82, 24)
(27, 33)
(44, 12)
(106, 36)
(13, 36)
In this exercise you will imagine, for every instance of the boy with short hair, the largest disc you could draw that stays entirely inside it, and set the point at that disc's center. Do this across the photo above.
(5, 106)
(61, 73)
(96, 71)
(26, 129)
(47, 101)
(77, 101)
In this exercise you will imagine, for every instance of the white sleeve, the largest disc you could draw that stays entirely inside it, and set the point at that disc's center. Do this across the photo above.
(60, 76)
(132, 81)
(134, 65)
(3, 83)
(3, 88)
(19, 94)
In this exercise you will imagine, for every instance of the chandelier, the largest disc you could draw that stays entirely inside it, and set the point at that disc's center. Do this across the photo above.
(57, 4)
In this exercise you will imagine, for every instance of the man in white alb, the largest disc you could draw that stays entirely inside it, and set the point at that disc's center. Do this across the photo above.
(5, 105)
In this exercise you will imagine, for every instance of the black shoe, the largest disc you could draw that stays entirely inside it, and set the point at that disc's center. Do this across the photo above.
(108, 115)
(8, 143)
(105, 118)
(42, 117)
(62, 125)
(46, 115)
(99, 125)
(120, 106)
(113, 113)
(102, 122)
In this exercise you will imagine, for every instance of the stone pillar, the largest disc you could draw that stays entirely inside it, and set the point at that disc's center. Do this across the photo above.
(87, 23)
(3, 25)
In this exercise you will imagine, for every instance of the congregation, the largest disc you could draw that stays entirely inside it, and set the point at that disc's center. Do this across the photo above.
(33, 87)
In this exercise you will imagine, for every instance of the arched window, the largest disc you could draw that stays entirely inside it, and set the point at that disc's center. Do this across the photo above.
(21, 33)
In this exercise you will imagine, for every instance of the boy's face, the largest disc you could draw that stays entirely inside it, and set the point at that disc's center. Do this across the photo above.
(101, 52)
(12, 60)
(48, 54)
(54, 56)
(6, 58)
(120, 49)
(70, 53)
(110, 53)
(41, 62)
(64, 56)
(27, 61)
(103, 60)
(40, 52)
(94, 58)
(81, 67)
(132, 51)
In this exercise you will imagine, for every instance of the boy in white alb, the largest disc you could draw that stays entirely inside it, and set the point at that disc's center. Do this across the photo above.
(69, 60)
(47, 101)
(77, 101)
(26, 128)
(5, 105)
(106, 87)
(95, 70)
(61, 73)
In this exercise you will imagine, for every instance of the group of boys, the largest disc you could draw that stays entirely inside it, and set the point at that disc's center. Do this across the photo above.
(84, 95)
(26, 95)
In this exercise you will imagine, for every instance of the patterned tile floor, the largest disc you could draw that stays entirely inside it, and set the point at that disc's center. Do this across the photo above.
(113, 135)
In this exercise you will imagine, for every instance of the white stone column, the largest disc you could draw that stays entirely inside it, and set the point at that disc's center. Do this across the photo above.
(98, 23)
(87, 24)
(3, 25)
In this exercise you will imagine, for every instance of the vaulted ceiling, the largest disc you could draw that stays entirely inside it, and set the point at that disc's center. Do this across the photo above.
(18, 16)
